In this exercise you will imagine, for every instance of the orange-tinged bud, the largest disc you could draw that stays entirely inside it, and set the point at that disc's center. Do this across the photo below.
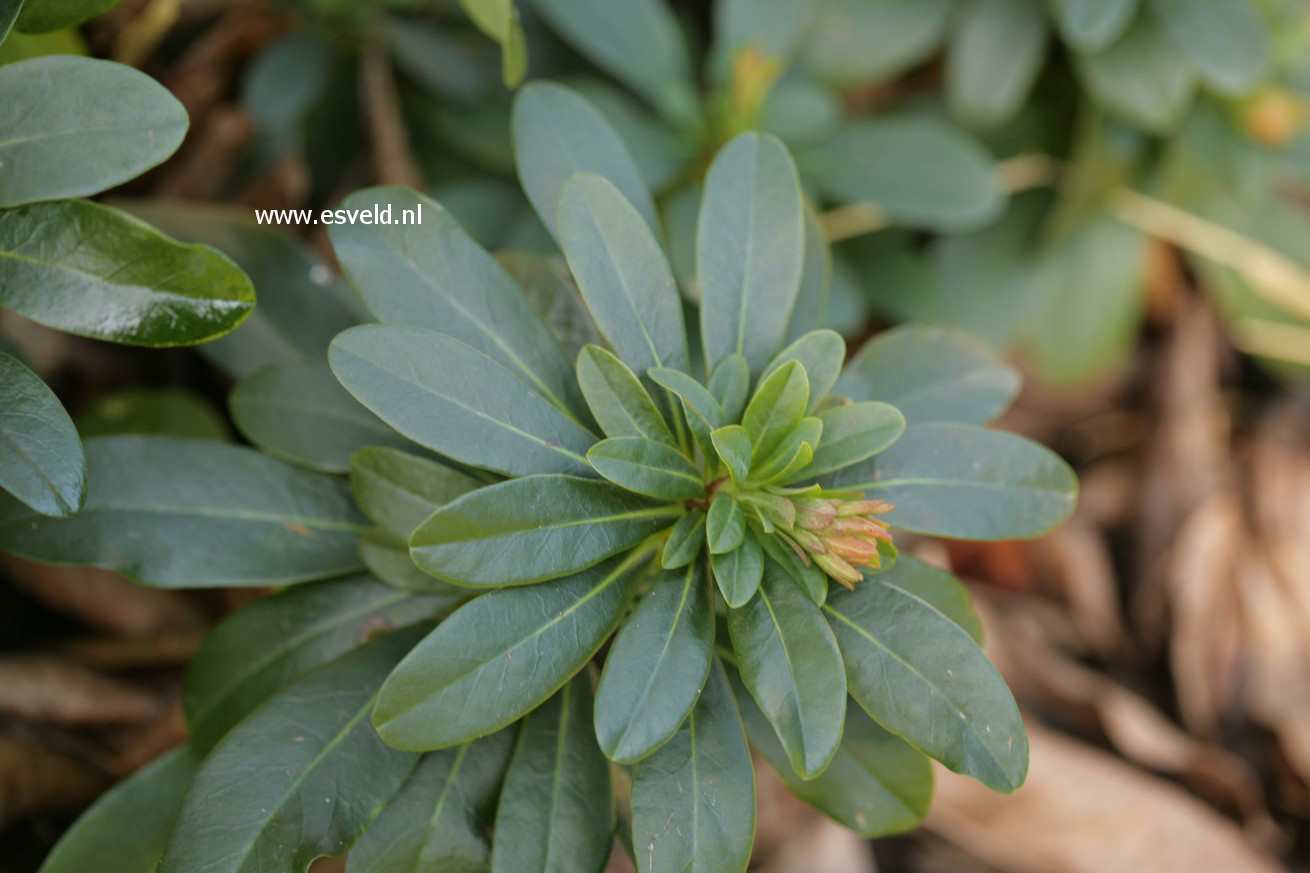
(839, 570)
(809, 541)
(854, 549)
(864, 507)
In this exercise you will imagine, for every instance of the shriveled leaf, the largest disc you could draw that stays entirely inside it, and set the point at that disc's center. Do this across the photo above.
(41, 458)
(656, 666)
(501, 655)
(178, 513)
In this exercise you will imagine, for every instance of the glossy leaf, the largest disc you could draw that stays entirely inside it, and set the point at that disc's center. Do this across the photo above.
(822, 353)
(876, 785)
(931, 374)
(178, 412)
(453, 399)
(738, 572)
(750, 244)
(647, 467)
(1091, 25)
(854, 433)
(921, 676)
(9, 10)
(693, 800)
(918, 170)
(298, 411)
(656, 667)
(1227, 40)
(778, 406)
(147, 800)
(685, 541)
(618, 401)
(87, 269)
(501, 655)
(532, 529)
(398, 490)
(432, 275)
(269, 796)
(725, 525)
(558, 133)
(623, 275)
(440, 818)
(730, 383)
(41, 458)
(937, 588)
(967, 483)
(789, 660)
(556, 810)
(195, 514)
(733, 444)
(267, 644)
(76, 126)
(995, 56)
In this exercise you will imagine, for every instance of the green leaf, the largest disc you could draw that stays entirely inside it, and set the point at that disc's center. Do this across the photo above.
(87, 269)
(876, 785)
(702, 410)
(778, 406)
(967, 483)
(532, 529)
(623, 275)
(822, 353)
(807, 576)
(750, 244)
(938, 589)
(685, 541)
(931, 374)
(302, 304)
(79, 126)
(556, 810)
(1227, 40)
(693, 800)
(180, 513)
(559, 133)
(248, 808)
(995, 56)
(125, 830)
(792, 456)
(917, 169)
(730, 383)
(739, 571)
(647, 467)
(639, 44)
(398, 490)
(264, 646)
(386, 556)
(725, 525)
(499, 20)
(733, 444)
(789, 660)
(618, 401)
(433, 275)
(501, 655)
(811, 309)
(1091, 25)
(549, 286)
(656, 666)
(178, 412)
(453, 399)
(854, 433)
(440, 818)
(43, 16)
(41, 458)
(921, 676)
(9, 10)
(866, 42)
(1142, 77)
(298, 412)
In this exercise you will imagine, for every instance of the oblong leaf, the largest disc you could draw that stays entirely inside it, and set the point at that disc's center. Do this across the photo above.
(750, 244)
(931, 374)
(178, 412)
(558, 132)
(258, 801)
(262, 647)
(725, 524)
(996, 53)
(501, 655)
(556, 810)
(44, 16)
(739, 571)
(398, 490)
(733, 445)
(1227, 40)
(821, 353)
(964, 482)
(618, 401)
(41, 458)
(854, 433)
(789, 660)
(623, 275)
(656, 666)
(685, 541)
(432, 275)
(776, 408)
(693, 800)
(646, 467)
(180, 513)
(937, 588)
(453, 399)
(298, 411)
(730, 383)
(1091, 25)
(921, 677)
(701, 408)
(1142, 76)
(534, 528)
(87, 269)
(76, 126)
